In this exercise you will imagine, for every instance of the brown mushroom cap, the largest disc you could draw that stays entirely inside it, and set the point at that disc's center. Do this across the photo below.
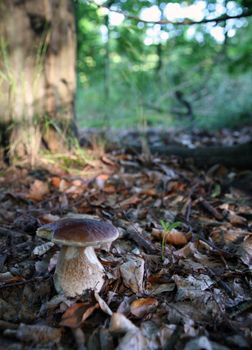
(79, 232)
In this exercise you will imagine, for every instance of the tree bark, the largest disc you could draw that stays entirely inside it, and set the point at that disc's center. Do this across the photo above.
(37, 75)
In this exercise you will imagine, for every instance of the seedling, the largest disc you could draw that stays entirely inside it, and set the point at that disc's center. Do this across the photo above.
(167, 227)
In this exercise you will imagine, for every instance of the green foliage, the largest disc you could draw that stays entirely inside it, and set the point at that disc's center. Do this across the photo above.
(123, 81)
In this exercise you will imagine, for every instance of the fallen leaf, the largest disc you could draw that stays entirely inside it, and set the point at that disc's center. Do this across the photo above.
(8, 278)
(192, 287)
(55, 181)
(121, 324)
(76, 314)
(103, 305)
(188, 250)
(38, 190)
(173, 236)
(130, 201)
(161, 288)
(235, 219)
(143, 306)
(245, 251)
(133, 340)
(132, 272)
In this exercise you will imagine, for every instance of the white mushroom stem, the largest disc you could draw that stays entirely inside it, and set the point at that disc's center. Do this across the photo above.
(77, 270)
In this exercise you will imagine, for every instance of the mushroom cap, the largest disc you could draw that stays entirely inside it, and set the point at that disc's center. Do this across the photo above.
(79, 232)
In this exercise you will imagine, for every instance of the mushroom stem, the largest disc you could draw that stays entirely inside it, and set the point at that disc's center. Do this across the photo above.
(78, 269)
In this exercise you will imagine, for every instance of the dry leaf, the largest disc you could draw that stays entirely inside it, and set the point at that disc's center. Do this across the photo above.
(55, 181)
(76, 314)
(120, 324)
(103, 305)
(38, 190)
(245, 251)
(143, 306)
(133, 340)
(130, 201)
(235, 219)
(7, 278)
(132, 273)
(188, 250)
(161, 288)
(173, 236)
(192, 287)
(225, 236)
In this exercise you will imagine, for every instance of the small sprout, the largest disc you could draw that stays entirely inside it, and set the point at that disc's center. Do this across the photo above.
(167, 227)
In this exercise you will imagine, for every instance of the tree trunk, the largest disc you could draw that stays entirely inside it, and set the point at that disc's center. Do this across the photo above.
(37, 75)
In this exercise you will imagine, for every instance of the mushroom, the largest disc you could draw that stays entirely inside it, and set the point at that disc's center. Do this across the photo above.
(78, 268)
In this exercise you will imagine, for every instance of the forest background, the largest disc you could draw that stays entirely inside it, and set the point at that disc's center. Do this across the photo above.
(146, 70)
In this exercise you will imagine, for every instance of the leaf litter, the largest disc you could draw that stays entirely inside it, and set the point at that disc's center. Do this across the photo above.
(178, 277)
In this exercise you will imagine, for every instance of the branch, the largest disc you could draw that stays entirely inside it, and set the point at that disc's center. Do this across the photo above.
(185, 21)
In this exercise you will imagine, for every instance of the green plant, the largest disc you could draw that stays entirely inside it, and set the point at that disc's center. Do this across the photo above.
(167, 227)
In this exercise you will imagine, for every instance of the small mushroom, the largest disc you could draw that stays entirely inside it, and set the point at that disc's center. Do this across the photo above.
(78, 268)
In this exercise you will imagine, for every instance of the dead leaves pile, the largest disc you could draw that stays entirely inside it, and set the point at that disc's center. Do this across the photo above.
(183, 287)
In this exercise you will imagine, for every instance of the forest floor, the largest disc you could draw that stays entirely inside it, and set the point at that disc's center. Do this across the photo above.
(178, 276)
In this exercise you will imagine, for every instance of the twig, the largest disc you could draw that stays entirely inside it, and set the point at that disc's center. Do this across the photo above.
(8, 325)
(141, 242)
(185, 21)
(9, 232)
(19, 283)
(206, 205)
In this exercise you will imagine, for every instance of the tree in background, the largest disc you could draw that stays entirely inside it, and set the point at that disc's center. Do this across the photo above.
(37, 76)
(119, 68)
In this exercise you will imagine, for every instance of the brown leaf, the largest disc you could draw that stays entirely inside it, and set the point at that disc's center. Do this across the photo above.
(176, 186)
(109, 188)
(38, 190)
(173, 236)
(55, 181)
(130, 201)
(143, 306)
(235, 219)
(8, 278)
(225, 236)
(245, 251)
(76, 314)
(149, 192)
(188, 250)
(176, 237)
